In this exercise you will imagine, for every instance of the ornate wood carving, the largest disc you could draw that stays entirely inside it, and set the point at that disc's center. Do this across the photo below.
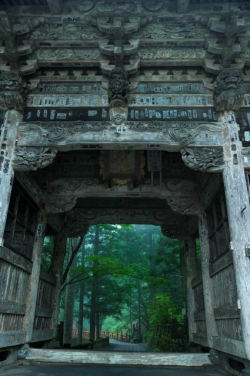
(228, 93)
(60, 204)
(203, 159)
(172, 135)
(32, 158)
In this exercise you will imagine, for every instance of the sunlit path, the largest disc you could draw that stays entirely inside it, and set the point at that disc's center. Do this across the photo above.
(115, 345)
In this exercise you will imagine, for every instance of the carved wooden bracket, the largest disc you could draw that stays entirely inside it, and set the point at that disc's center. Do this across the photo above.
(32, 158)
(185, 205)
(203, 159)
(60, 204)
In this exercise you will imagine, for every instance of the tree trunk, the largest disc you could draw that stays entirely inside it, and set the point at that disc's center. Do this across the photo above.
(190, 263)
(94, 290)
(139, 310)
(97, 325)
(69, 309)
(81, 297)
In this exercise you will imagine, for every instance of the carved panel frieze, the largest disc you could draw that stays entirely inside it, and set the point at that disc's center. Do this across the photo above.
(61, 27)
(118, 215)
(67, 54)
(173, 100)
(168, 87)
(52, 88)
(203, 159)
(176, 134)
(157, 53)
(32, 158)
(72, 100)
(173, 30)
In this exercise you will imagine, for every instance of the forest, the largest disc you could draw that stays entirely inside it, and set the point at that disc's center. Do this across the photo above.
(126, 281)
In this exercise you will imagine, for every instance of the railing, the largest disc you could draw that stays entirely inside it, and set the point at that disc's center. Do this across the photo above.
(120, 336)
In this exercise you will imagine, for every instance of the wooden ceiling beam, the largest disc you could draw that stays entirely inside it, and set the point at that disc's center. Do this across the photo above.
(182, 5)
(55, 6)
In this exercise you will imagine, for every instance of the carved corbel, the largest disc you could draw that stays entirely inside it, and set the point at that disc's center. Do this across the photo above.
(185, 205)
(13, 91)
(32, 158)
(228, 92)
(60, 204)
(11, 101)
(118, 87)
(204, 159)
(175, 232)
(183, 196)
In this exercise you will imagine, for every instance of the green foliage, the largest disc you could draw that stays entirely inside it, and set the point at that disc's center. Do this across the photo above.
(139, 280)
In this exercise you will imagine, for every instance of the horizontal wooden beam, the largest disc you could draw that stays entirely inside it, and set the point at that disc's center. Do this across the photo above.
(12, 308)
(55, 6)
(12, 338)
(229, 346)
(226, 313)
(14, 259)
(222, 263)
(42, 335)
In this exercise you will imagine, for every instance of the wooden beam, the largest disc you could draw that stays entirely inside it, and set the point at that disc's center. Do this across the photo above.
(238, 210)
(32, 291)
(14, 259)
(7, 148)
(55, 6)
(57, 270)
(207, 281)
(12, 308)
(182, 5)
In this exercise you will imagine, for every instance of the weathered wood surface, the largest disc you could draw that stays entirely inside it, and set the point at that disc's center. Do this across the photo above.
(32, 291)
(97, 357)
(207, 282)
(239, 220)
(8, 136)
(57, 269)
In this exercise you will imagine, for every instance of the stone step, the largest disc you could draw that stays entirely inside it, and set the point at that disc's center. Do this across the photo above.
(119, 358)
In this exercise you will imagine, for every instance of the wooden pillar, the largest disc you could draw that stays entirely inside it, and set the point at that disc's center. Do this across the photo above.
(8, 136)
(32, 290)
(190, 272)
(57, 270)
(238, 209)
(207, 282)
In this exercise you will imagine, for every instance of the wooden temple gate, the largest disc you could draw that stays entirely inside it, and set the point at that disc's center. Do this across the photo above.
(126, 112)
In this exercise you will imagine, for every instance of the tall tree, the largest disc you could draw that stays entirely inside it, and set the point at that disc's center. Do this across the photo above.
(94, 287)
